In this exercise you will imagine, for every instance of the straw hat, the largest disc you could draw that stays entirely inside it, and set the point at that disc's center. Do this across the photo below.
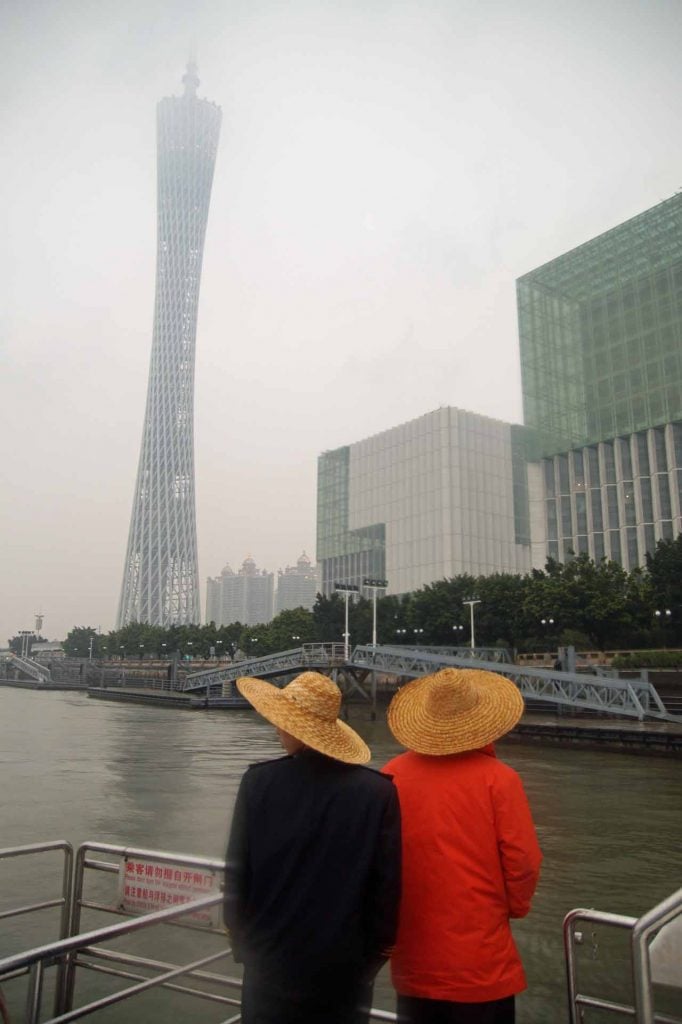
(308, 708)
(454, 710)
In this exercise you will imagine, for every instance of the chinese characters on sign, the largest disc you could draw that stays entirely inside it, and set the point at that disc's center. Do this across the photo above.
(148, 885)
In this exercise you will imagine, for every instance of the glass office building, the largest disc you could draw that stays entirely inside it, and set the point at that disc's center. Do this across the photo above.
(601, 363)
(438, 496)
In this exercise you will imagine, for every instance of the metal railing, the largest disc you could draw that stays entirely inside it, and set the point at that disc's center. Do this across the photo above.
(298, 658)
(64, 901)
(642, 931)
(74, 950)
(40, 673)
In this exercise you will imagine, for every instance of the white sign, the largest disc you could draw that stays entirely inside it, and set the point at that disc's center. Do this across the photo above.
(148, 885)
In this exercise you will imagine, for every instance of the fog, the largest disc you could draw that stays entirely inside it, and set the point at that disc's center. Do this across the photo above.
(386, 171)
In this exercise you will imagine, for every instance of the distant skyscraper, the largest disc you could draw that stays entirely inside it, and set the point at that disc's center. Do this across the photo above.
(160, 579)
(297, 586)
(244, 596)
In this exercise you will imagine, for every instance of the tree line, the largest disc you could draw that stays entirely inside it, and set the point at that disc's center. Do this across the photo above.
(593, 605)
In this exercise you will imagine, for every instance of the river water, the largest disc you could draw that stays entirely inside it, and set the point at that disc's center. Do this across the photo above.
(76, 768)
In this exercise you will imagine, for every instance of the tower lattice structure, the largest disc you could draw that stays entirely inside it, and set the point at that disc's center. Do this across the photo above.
(161, 578)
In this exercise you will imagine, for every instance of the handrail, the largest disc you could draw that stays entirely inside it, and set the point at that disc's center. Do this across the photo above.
(36, 960)
(65, 901)
(644, 928)
(641, 930)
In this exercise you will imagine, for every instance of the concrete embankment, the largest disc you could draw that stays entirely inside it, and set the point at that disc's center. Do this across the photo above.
(600, 734)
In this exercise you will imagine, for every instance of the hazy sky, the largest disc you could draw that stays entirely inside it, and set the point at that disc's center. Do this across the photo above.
(386, 170)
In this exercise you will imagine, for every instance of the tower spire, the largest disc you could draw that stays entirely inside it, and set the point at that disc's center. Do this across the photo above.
(190, 79)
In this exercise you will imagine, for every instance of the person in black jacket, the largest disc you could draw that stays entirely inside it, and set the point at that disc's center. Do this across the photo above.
(312, 884)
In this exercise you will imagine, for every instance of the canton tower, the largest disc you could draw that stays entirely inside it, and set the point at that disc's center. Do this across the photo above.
(161, 575)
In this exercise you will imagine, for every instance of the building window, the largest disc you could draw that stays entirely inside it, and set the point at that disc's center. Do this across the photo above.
(625, 458)
(643, 455)
(664, 496)
(581, 513)
(659, 447)
(564, 486)
(598, 539)
(633, 550)
(612, 505)
(614, 541)
(649, 539)
(609, 463)
(597, 517)
(593, 462)
(647, 502)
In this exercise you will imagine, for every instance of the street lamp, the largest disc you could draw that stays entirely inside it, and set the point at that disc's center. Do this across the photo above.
(374, 586)
(457, 631)
(123, 651)
(295, 637)
(346, 589)
(417, 634)
(92, 640)
(163, 651)
(400, 632)
(663, 616)
(471, 602)
(141, 651)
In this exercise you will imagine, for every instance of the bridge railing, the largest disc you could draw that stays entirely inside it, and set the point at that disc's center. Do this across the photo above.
(41, 673)
(322, 656)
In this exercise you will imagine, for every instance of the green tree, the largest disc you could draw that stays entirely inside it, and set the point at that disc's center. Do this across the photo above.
(78, 640)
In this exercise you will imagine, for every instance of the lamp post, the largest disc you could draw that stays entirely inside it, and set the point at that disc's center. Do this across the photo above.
(471, 602)
(662, 616)
(123, 652)
(295, 637)
(400, 633)
(163, 651)
(374, 586)
(417, 635)
(458, 630)
(546, 625)
(346, 589)
(141, 651)
(92, 640)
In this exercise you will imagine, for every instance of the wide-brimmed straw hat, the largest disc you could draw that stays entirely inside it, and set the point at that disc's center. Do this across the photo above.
(454, 710)
(308, 708)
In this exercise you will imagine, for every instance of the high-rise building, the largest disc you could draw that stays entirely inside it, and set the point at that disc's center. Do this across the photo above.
(442, 495)
(297, 585)
(245, 596)
(160, 578)
(601, 363)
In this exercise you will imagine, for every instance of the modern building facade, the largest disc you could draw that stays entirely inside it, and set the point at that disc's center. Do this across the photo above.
(160, 578)
(245, 596)
(297, 586)
(441, 495)
(601, 363)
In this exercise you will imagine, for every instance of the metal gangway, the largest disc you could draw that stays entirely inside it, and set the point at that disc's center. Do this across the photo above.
(632, 698)
(189, 893)
(321, 657)
(576, 691)
(34, 669)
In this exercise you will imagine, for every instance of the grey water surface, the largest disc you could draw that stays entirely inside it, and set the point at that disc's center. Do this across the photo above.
(161, 778)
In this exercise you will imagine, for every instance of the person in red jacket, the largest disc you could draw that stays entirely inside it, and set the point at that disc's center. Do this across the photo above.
(471, 859)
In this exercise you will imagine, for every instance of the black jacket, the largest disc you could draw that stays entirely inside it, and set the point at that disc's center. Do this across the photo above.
(313, 870)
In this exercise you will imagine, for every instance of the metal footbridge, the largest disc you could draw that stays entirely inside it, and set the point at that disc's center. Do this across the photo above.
(33, 669)
(365, 666)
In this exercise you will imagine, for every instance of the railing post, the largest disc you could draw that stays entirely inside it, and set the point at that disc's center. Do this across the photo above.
(35, 991)
(64, 925)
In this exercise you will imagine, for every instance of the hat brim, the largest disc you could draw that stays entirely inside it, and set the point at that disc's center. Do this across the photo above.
(335, 739)
(497, 709)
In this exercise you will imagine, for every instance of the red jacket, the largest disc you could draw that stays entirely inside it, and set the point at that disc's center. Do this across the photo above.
(471, 861)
